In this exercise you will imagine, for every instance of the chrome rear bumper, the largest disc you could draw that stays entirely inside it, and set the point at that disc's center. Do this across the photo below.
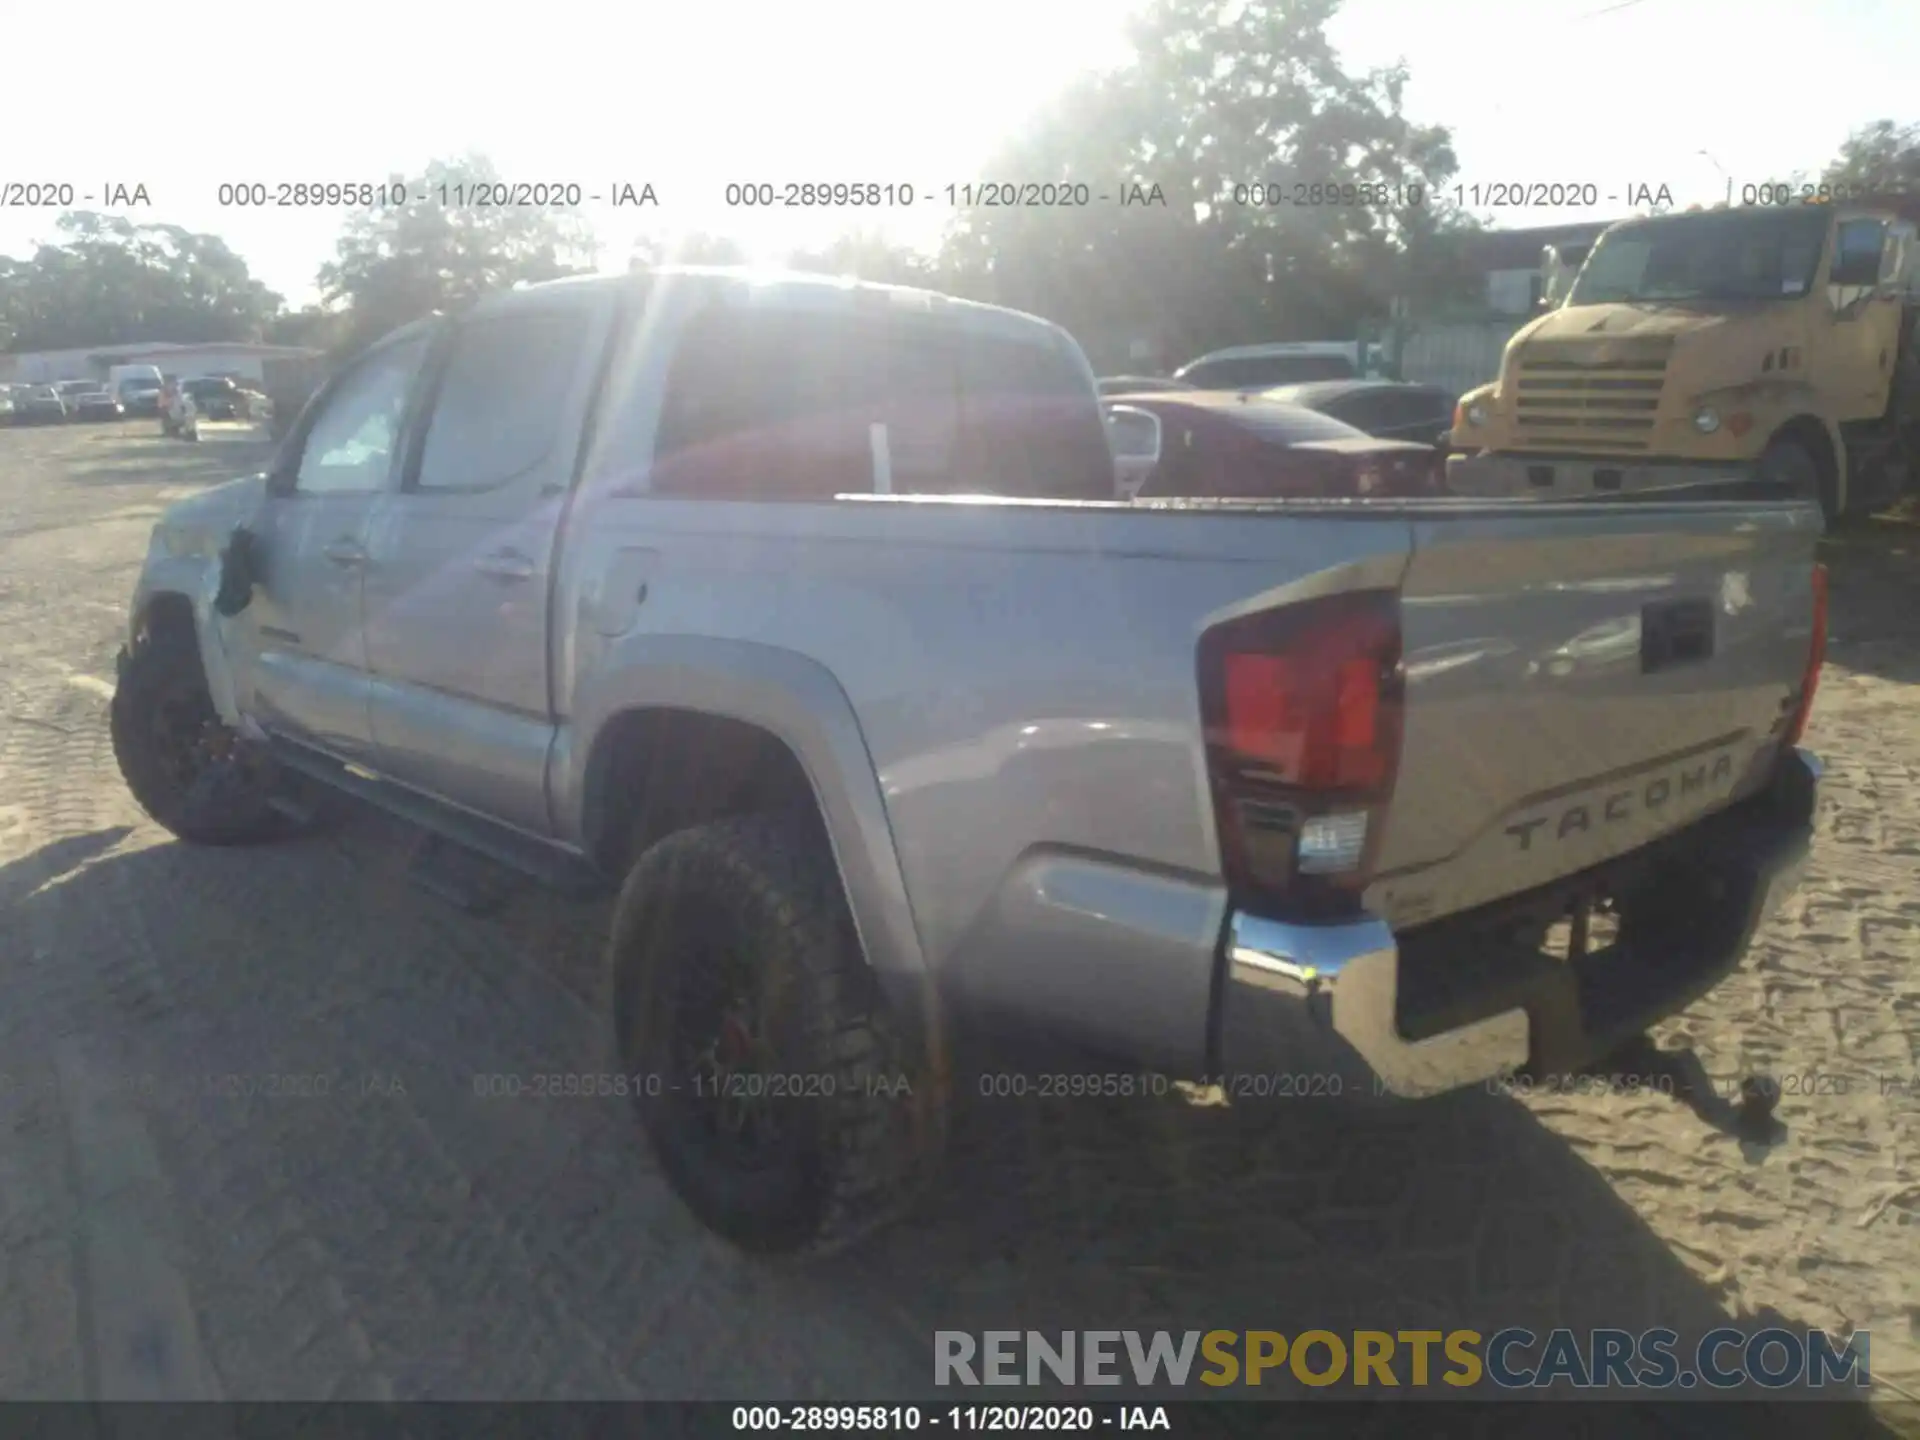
(1324, 998)
(1327, 1002)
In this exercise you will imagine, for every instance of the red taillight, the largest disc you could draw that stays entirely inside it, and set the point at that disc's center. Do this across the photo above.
(1303, 709)
(1816, 657)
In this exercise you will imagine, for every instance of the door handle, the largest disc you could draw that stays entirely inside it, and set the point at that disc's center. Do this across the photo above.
(505, 565)
(345, 552)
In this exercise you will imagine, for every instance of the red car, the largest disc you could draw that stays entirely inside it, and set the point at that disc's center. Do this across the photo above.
(1228, 445)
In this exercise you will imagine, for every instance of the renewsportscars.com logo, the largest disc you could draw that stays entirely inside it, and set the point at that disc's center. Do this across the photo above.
(1509, 1359)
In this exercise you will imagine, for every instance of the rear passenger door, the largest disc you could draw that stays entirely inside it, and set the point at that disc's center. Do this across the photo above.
(461, 556)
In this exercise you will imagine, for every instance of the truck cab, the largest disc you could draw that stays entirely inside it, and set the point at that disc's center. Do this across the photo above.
(1709, 351)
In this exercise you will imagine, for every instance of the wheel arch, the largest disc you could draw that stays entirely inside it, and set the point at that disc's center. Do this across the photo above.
(727, 727)
(1824, 443)
(164, 615)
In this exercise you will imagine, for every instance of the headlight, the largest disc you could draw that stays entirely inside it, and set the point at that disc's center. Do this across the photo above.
(1477, 413)
(1706, 420)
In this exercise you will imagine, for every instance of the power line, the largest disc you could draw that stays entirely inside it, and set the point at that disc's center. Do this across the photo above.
(1609, 9)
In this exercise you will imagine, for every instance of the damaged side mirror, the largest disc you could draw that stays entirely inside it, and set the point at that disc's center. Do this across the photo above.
(241, 568)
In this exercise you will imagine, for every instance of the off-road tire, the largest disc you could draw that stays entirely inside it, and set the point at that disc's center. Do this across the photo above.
(765, 887)
(161, 671)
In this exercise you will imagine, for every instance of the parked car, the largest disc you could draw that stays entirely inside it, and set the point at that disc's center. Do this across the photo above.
(730, 594)
(217, 397)
(6, 404)
(1134, 436)
(96, 405)
(1261, 367)
(1390, 409)
(1139, 384)
(40, 405)
(70, 392)
(1233, 445)
(139, 394)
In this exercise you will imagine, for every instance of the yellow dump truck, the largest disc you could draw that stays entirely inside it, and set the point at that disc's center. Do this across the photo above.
(1714, 352)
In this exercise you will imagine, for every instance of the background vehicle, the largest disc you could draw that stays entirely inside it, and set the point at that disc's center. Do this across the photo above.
(96, 404)
(39, 405)
(1261, 367)
(731, 591)
(1388, 409)
(1139, 384)
(139, 394)
(1252, 447)
(1134, 435)
(6, 404)
(217, 397)
(70, 392)
(1712, 349)
(120, 376)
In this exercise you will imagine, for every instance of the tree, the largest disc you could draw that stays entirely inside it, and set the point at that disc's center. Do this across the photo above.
(1880, 156)
(109, 281)
(1226, 106)
(697, 247)
(312, 327)
(867, 255)
(396, 264)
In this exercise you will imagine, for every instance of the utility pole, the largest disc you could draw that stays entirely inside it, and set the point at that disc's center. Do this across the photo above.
(1723, 170)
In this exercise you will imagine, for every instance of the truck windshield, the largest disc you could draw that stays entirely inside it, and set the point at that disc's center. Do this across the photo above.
(1717, 255)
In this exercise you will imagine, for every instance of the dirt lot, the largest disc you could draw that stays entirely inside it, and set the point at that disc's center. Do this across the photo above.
(401, 1237)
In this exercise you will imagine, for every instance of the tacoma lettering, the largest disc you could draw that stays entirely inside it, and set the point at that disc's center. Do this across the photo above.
(1619, 805)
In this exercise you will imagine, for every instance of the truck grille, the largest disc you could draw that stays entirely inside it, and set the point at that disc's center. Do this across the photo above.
(1589, 402)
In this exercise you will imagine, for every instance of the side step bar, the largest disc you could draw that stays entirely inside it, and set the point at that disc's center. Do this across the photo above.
(549, 864)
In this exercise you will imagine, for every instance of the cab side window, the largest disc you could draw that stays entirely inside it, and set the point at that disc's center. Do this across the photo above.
(500, 403)
(769, 404)
(772, 403)
(1857, 247)
(350, 445)
(1032, 424)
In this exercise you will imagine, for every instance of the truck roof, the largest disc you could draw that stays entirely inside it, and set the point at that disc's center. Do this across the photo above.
(791, 283)
(1903, 205)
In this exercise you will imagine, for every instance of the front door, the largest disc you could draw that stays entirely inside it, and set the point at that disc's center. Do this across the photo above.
(308, 676)
(460, 559)
(1860, 359)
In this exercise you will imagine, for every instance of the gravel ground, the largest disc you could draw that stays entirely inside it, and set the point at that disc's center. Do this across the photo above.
(400, 1237)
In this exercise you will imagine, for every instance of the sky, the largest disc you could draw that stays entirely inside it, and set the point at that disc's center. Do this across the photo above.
(1610, 94)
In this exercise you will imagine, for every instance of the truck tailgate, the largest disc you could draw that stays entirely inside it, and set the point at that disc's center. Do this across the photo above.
(1581, 680)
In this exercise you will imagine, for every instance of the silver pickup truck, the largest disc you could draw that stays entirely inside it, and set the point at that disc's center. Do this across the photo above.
(802, 612)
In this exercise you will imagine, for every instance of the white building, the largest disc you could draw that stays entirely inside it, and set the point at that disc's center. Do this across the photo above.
(1510, 261)
(239, 359)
